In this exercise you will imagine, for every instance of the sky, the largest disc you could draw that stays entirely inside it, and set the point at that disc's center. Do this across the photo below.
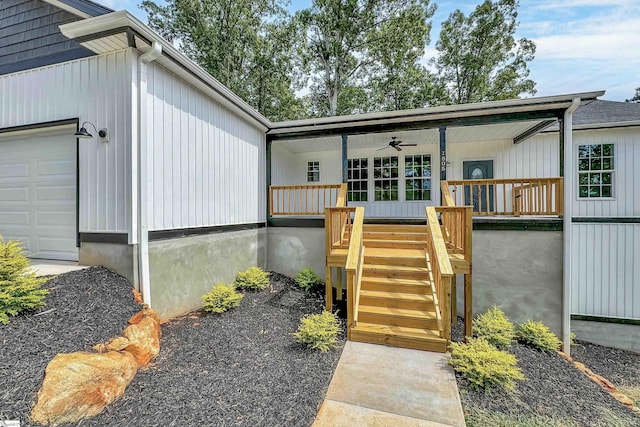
(582, 45)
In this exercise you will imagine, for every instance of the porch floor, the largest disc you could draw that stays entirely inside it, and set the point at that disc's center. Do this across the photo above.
(378, 386)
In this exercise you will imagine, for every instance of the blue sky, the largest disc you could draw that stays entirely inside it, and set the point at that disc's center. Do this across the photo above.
(582, 45)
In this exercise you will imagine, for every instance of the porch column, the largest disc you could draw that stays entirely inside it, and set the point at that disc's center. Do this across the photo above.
(443, 153)
(344, 158)
(268, 179)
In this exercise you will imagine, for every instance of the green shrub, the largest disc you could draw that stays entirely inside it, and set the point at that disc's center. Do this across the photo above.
(307, 278)
(484, 365)
(538, 335)
(319, 331)
(20, 289)
(254, 278)
(221, 298)
(494, 327)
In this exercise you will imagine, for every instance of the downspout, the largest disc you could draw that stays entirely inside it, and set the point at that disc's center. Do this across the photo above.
(569, 180)
(143, 187)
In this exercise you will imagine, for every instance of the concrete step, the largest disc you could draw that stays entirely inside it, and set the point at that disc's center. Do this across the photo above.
(397, 300)
(397, 336)
(397, 317)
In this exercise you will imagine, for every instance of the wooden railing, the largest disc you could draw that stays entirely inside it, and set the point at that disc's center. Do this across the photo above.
(441, 271)
(514, 196)
(353, 268)
(304, 200)
(337, 221)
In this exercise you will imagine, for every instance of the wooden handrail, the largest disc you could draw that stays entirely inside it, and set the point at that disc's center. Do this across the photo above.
(337, 222)
(303, 200)
(457, 227)
(506, 196)
(353, 267)
(441, 270)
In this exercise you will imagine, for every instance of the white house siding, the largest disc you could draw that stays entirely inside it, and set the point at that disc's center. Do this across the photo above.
(537, 157)
(95, 89)
(208, 165)
(606, 270)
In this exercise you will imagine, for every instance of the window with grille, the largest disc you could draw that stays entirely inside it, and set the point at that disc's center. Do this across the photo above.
(357, 179)
(595, 170)
(313, 171)
(417, 177)
(385, 178)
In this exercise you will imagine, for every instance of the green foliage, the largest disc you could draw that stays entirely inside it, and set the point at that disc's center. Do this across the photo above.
(319, 331)
(484, 365)
(538, 335)
(635, 98)
(479, 58)
(483, 418)
(572, 338)
(254, 278)
(20, 289)
(222, 298)
(307, 278)
(494, 327)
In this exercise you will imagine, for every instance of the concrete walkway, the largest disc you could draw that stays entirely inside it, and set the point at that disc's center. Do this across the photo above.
(375, 385)
(47, 267)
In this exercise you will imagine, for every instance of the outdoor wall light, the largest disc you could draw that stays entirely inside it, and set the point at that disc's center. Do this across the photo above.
(84, 134)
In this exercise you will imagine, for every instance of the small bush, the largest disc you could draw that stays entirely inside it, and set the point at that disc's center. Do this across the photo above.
(20, 289)
(484, 365)
(538, 335)
(494, 327)
(222, 298)
(307, 279)
(319, 331)
(254, 278)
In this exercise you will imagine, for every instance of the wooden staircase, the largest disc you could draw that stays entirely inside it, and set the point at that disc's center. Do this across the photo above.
(396, 302)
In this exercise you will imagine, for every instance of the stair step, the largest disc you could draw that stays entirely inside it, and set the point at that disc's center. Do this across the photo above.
(397, 300)
(399, 244)
(393, 284)
(402, 257)
(395, 271)
(393, 235)
(397, 317)
(397, 336)
(405, 228)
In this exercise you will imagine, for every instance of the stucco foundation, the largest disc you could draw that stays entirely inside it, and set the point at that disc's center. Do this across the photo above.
(121, 258)
(290, 249)
(624, 336)
(183, 269)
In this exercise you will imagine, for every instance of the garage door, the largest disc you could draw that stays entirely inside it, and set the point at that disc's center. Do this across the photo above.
(38, 193)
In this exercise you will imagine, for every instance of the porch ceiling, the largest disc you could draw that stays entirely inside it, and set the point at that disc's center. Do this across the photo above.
(496, 131)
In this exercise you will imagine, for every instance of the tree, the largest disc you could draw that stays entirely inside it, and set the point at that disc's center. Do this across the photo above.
(240, 42)
(478, 57)
(343, 42)
(635, 98)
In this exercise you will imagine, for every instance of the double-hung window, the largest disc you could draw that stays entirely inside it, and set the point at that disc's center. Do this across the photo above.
(417, 177)
(385, 178)
(313, 171)
(358, 179)
(595, 171)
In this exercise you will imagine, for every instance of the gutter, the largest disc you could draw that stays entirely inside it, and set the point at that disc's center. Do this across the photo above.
(142, 187)
(123, 19)
(569, 179)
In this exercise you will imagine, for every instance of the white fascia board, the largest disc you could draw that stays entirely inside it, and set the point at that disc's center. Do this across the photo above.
(66, 7)
(436, 113)
(596, 126)
(185, 68)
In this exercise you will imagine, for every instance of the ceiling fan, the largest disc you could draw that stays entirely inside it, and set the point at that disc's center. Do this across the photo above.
(396, 144)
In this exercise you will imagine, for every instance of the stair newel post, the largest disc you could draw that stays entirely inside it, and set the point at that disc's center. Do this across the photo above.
(446, 307)
(350, 302)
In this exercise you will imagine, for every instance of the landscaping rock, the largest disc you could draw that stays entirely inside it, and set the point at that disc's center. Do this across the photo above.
(144, 340)
(80, 385)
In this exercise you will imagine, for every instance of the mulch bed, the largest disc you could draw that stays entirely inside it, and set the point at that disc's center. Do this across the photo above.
(553, 390)
(84, 307)
(621, 367)
(239, 368)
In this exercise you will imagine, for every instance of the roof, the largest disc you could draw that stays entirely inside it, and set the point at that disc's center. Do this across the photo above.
(600, 111)
(81, 8)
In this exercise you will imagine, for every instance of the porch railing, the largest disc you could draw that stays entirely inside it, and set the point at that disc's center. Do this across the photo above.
(353, 268)
(337, 221)
(305, 200)
(441, 272)
(513, 196)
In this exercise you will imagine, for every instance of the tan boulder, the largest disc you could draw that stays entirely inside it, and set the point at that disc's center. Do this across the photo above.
(114, 344)
(80, 385)
(144, 340)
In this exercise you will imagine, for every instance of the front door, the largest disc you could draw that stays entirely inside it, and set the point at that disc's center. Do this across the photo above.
(480, 196)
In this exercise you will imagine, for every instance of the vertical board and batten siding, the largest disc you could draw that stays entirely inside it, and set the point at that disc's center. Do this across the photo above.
(29, 34)
(95, 89)
(606, 256)
(538, 157)
(208, 166)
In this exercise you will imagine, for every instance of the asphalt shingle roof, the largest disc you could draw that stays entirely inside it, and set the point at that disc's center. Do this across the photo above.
(600, 111)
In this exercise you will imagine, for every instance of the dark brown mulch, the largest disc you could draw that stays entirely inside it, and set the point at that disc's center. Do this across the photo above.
(621, 367)
(84, 308)
(239, 368)
(553, 388)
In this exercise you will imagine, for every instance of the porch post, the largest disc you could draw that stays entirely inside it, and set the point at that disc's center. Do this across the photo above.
(268, 179)
(344, 158)
(443, 157)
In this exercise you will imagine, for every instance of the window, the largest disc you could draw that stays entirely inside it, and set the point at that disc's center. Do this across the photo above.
(313, 171)
(417, 173)
(595, 170)
(357, 179)
(385, 176)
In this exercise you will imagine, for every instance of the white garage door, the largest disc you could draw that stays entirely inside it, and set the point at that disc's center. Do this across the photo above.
(38, 193)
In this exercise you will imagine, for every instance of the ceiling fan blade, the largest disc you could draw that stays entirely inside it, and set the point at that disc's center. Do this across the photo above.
(383, 148)
(408, 145)
(397, 148)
